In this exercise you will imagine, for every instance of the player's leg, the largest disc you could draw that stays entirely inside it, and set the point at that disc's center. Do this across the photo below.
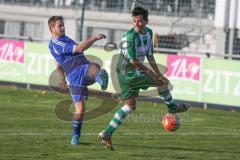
(116, 121)
(128, 94)
(129, 91)
(123, 112)
(98, 75)
(165, 94)
(79, 93)
(77, 121)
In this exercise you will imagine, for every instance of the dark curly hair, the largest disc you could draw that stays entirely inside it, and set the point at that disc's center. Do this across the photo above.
(140, 11)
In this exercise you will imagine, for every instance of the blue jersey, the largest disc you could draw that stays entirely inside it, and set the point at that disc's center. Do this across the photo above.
(63, 50)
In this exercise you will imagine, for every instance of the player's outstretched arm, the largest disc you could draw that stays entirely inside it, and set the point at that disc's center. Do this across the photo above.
(153, 64)
(82, 46)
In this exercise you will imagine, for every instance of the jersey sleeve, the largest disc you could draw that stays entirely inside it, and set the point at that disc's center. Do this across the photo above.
(64, 48)
(131, 42)
(69, 48)
(150, 50)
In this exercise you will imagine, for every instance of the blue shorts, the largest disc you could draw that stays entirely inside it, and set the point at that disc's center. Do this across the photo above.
(78, 82)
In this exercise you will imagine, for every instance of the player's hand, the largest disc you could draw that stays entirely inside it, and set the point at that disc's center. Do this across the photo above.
(164, 80)
(161, 80)
(153, 75)
(100, 36)
(63, 85)
(165, 83)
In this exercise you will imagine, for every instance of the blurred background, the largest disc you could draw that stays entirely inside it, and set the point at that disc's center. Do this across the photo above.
(198, 26)
(198, 41)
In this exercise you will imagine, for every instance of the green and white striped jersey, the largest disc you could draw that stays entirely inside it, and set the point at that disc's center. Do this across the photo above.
(134, 46)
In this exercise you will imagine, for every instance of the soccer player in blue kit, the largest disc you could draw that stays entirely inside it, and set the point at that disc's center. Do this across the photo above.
(76, 71)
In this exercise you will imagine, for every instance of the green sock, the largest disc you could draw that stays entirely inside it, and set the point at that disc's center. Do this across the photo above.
(168, 100)
(117, 119)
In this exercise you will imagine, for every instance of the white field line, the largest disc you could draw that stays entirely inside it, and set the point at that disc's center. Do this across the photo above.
(119, 134)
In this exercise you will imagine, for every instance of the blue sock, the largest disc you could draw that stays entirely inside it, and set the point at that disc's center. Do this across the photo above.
(77, 127)
(98, 78)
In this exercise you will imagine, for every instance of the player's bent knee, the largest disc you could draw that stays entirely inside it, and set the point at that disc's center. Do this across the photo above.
(78, 116)
(162, 90)
(134, 108)
(93, 69)
(80, 107)
(130, 102)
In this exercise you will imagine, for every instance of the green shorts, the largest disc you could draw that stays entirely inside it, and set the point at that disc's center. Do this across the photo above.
(130, 86)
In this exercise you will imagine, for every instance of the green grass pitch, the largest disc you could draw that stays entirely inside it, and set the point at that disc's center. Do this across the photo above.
(29, 129)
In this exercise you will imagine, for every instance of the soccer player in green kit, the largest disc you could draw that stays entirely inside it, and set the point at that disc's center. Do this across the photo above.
(133, 75)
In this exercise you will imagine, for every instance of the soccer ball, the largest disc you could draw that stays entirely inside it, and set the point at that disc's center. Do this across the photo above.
(170, 122)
